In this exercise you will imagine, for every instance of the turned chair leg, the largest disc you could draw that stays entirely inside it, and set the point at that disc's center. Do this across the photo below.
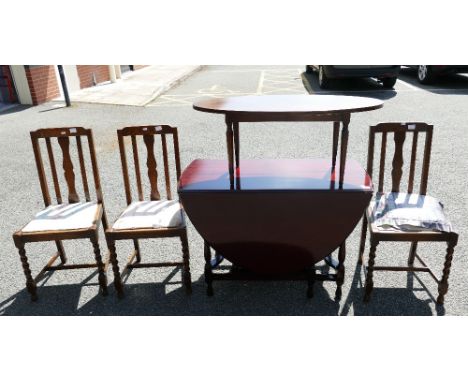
(61, 251)
(115, 268)
(186, 277)
(102, 275)
(30, 283)
(340, 271)
(443, 284)
(369, 285)
(208, 271)
(362, 245)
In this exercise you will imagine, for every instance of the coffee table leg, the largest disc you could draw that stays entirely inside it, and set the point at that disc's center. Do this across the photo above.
(236, 142)
(344, 148)
(336, 135)
(230, 151)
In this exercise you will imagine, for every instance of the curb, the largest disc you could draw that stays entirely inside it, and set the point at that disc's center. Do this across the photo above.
(172, 84)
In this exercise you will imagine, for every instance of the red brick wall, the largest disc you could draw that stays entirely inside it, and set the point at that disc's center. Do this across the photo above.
(42, 83)
(85, 74)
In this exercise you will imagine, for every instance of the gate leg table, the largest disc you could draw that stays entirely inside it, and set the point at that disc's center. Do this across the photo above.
(275, 219)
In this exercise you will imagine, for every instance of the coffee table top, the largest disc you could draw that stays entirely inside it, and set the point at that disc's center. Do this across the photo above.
(274, 175)
(320, 104)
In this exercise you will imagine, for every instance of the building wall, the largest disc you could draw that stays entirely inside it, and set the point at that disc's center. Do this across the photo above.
(85, 74)
(42, 82)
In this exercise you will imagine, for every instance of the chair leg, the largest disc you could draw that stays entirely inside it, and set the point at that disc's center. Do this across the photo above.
(362, 245)
(102, 275)
(340, 271)
(61, 251)
(186, 277)
(443, 284)
(30, 283)
(412, 253)
(136, 244)
(208, 272)
(115, 269)
(369, 285)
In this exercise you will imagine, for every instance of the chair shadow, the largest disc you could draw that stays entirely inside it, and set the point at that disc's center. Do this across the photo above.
(389, 301)
(169, 298)
(231, 298)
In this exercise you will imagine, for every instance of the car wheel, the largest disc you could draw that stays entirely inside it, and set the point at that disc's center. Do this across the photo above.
(389, 82)
(425, 74)
(309, 69)
(324, 81)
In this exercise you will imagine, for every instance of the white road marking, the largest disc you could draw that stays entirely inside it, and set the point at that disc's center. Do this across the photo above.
(260, 82)
(408, 85)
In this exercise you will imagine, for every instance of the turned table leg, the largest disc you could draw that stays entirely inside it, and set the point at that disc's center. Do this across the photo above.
(208, 271)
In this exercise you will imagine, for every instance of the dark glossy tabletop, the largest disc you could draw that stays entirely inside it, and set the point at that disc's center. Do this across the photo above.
(274, 174)
(288, 104)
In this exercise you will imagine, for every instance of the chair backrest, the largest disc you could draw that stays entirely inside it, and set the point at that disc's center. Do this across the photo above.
(400, 131)
(148, 133)
(62, 136)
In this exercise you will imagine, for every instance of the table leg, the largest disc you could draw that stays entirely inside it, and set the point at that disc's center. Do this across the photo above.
(341, 271)
(236, 142)
(230, 151)
(208, 271)
(344, 148)
(336, 135)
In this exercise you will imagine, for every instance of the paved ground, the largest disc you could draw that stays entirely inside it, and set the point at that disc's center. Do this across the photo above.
(159, 292)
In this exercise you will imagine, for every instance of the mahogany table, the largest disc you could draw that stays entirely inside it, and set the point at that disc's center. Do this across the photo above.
(287, 108)
(284, 217)
(259, 254)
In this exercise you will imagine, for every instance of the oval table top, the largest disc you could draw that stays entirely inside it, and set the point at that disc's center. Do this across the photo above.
(294, 104)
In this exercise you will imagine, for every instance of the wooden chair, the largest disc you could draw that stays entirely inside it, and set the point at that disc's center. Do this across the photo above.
(378, 233)
(155, 218)
(69, 219)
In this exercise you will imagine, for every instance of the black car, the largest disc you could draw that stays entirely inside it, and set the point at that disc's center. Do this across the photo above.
(387, 74)
(428, 73)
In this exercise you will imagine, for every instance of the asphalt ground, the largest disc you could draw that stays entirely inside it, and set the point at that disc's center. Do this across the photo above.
(159, 291)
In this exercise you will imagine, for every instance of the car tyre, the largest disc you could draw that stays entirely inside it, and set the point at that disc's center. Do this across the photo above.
(389, 82)
(323, 80)
(425, 74)
(309, 69)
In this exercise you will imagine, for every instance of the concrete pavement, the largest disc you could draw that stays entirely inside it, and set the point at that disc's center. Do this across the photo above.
(136, 88)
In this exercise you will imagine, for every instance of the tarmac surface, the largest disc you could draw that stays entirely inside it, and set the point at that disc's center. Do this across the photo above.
(159, 291)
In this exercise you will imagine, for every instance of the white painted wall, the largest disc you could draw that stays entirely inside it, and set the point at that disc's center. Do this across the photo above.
(21, 83)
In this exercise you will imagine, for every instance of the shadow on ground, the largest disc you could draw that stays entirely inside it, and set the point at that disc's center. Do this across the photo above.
(359, 87)
(231, 298)
(446, 84)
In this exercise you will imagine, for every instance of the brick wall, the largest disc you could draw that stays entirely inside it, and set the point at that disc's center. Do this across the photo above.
(85, 74)
(42, 83)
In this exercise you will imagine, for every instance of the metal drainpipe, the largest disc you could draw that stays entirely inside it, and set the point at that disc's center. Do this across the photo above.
(64, 84)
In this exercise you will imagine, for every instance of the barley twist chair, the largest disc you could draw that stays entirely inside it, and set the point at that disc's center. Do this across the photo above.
(66, 220)
(405, 217)
(153, 218)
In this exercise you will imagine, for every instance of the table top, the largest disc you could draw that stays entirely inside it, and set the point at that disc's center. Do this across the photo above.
(274, 174)
(320, 104)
